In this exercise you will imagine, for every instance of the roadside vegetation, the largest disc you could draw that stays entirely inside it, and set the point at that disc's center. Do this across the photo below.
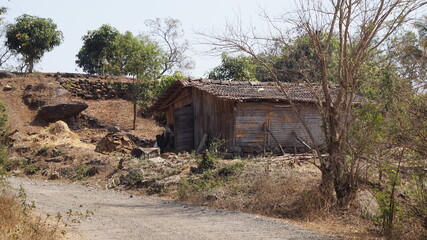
(17, 221)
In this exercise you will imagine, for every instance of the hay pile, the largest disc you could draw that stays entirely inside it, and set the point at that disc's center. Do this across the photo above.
(58, 133)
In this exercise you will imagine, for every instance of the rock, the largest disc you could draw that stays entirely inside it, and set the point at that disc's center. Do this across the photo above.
(169, 156)
(114, 129)
(140, 152)
(61, 111)
(172, 180)
(366, 202)
(8, 88)
(115, 142)
(54, 176)
(55, 159)
(92, 171)
(6, 74)
(134, 177)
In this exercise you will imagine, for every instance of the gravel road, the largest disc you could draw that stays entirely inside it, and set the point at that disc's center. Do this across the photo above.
(120, 216)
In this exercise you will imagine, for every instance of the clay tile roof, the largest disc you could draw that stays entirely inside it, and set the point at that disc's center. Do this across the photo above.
(245, 91)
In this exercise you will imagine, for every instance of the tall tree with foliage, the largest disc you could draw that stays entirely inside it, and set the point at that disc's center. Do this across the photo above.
(98, 50)
(360, 28)
(240, 68)
(31, 37)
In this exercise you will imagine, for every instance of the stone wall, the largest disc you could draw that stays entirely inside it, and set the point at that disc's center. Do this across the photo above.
(89, 89)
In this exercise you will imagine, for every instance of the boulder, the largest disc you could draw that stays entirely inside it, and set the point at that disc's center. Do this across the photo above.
(8, 88)
(114, 129)
(140, 152)
(366, 202)
(44, 94)
(61, 111)
(6, 74)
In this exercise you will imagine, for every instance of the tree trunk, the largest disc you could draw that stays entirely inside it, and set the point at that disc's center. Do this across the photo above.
(30, 65)
(134, 116)
(337, 186)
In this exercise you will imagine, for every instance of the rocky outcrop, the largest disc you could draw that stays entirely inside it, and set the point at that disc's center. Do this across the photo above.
(60, 111)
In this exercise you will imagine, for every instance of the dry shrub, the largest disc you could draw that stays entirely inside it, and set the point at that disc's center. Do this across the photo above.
(286, 196)
(18, 223)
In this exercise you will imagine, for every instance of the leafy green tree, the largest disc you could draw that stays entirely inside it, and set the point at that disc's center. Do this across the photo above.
(240, 68)
(32, 36)
(98, 50)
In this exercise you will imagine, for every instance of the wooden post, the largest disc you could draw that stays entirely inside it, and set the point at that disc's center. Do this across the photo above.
(280, 146)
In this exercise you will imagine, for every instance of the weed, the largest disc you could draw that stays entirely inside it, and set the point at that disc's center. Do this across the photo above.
(84, 170)
(57, 152)
(215, 145)
(76, 216)
(42, 150)
(31, 169)
(231, 169)
(206, 163)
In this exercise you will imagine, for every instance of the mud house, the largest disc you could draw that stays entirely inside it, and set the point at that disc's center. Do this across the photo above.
(247, 115)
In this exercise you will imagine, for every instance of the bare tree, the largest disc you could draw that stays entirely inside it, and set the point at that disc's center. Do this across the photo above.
(170, 34)
(5, 53)
(356, 28)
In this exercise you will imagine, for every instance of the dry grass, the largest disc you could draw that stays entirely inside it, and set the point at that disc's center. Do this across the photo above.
(119, 112)
(57, 134)
(18, 222)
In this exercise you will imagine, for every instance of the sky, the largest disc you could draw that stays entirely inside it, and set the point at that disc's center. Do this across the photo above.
(75, 17)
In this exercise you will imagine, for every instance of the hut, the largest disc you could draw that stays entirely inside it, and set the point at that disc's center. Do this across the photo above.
(249, 116)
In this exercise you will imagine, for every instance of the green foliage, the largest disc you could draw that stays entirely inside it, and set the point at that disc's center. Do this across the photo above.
(207, 162)
(31, 169)
(418, 191)
(231, 169)
(97, 50)
(141, 57)
(210, 179)
(165, 81)
(389, 206)
(84, 170)
(42, 150)
(32, 36)
(240, 68)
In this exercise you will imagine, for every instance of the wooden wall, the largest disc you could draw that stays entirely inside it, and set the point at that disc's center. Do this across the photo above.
(183, 98)
(252, 117)
(214, 117)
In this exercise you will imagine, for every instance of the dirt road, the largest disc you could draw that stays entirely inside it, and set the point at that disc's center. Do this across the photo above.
(120, 216)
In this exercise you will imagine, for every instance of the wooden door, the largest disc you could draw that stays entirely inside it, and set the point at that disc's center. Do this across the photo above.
(184, 128)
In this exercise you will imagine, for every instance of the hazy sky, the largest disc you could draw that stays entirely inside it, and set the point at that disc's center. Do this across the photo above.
(75, 17)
